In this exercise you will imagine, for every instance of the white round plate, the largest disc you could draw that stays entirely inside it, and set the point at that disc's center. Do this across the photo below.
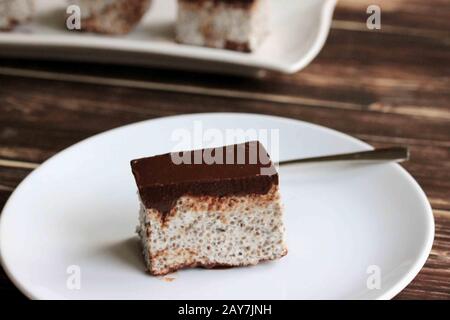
(353, 231)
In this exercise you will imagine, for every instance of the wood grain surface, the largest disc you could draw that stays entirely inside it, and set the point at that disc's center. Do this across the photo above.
(387, 87)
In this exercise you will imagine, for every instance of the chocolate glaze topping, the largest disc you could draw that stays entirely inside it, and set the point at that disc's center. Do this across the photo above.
(231, 170)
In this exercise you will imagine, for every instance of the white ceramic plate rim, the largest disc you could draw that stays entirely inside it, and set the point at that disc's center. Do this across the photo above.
(36, 41)
(384, 293)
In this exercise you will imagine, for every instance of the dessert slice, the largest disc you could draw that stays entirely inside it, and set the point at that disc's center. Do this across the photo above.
(198, 213)
(14, 12)
(111, 16)
(239, 25)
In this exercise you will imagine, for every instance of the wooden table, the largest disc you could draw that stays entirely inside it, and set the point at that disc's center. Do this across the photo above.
(386, 87)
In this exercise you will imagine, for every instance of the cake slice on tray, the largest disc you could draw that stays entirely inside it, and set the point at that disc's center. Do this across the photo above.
(196, 213)
(15, 12)
(239, 25)
(111, 16)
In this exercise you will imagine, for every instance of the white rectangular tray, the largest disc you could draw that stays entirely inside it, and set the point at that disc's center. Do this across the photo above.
(298, 32)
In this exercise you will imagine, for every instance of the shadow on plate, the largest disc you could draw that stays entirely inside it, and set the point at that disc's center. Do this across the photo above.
(128, 252)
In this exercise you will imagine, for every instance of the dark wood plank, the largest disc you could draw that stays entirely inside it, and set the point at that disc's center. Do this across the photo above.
(4, 195)
(405, 14)
(371, 71)
(11, 177)
(40, 101)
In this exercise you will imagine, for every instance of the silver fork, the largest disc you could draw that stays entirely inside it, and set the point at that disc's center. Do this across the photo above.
(396, 154)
